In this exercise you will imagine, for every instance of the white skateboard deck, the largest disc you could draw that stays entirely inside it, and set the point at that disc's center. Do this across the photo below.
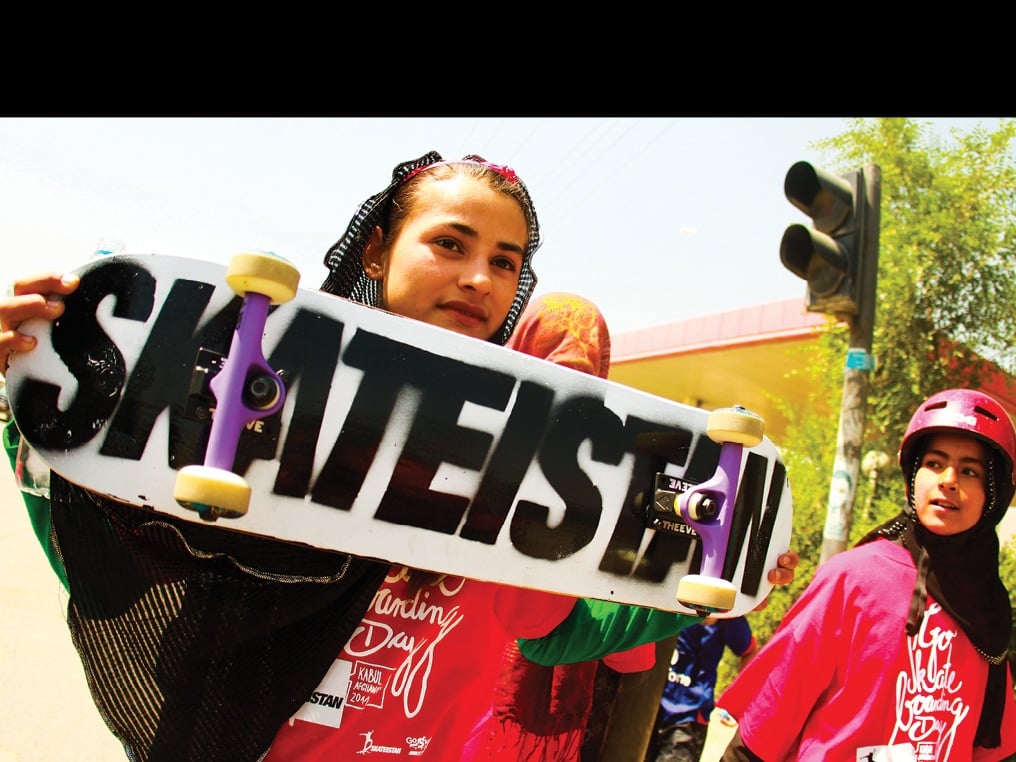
(397, 440)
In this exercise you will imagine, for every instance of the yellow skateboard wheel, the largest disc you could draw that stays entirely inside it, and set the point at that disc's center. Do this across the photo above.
(702, 593)
(263, 273)
(212, 492)
(737, 425)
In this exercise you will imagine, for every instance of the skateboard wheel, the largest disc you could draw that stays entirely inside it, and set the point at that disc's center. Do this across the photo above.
(737, 425)
(263, 273)
(212, 492)
(706, 594)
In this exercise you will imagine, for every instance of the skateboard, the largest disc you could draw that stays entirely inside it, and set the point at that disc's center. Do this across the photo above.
(231, 396)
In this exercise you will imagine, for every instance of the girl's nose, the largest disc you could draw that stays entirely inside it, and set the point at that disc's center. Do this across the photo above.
(476, 275)
(948, 478)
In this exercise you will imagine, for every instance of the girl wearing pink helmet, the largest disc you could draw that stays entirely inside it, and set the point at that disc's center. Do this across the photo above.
(898, 648)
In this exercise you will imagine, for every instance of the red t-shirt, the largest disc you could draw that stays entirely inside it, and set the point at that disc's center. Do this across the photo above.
(840, 678)
(418, 673)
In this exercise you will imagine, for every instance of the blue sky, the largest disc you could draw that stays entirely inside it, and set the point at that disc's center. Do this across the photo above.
(654, 219)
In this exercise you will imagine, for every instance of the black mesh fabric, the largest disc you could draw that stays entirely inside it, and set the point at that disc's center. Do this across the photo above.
(195, 644)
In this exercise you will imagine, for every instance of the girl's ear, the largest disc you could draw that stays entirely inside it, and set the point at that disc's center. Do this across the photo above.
(373, 255)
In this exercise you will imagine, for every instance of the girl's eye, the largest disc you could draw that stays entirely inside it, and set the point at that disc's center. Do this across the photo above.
(506, 263)
(448, 243)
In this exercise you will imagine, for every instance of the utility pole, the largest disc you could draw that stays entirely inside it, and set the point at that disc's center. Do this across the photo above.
(838, 258)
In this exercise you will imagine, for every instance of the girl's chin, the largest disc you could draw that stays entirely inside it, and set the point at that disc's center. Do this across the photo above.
(943, 528)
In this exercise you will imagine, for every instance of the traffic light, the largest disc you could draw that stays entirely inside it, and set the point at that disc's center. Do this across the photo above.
(831, 256)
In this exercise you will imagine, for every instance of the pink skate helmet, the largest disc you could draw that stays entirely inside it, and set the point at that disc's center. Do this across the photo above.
(973, 412)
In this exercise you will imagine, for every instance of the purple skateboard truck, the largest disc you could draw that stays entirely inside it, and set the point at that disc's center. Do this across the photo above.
(244, 386)
(708, 509)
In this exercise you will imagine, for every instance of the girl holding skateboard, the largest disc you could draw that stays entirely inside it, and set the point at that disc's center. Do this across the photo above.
(214, 645)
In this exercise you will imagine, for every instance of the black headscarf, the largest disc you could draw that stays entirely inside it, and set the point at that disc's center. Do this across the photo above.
(344, 259)
(961, 573)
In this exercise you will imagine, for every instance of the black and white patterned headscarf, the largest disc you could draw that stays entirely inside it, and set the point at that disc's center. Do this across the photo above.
(344, 259)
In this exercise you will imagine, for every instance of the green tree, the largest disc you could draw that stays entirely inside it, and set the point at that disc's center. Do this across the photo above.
(946, 304)
(945, 316)
(945, 312)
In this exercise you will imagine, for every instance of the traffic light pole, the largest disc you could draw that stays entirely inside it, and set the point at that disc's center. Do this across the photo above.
(859, 364)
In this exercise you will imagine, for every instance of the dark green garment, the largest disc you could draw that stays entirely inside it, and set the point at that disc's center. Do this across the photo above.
(594, 629)
(38, 508)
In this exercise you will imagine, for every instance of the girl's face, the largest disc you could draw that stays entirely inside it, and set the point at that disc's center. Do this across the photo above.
(457, 259)
(949, 487)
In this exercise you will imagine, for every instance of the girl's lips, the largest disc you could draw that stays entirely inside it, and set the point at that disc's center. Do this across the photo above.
(465, 313)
